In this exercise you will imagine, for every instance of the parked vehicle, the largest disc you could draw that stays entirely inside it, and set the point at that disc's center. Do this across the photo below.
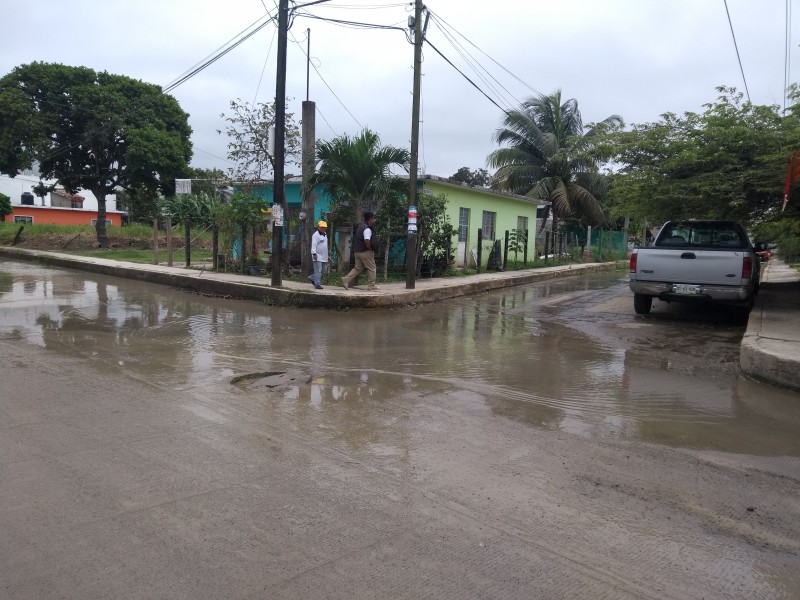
(762, 251)
(695, 261)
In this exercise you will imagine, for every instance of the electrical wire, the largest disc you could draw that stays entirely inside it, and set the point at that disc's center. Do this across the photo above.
(217, 56)
(264, 68)
(787, 57)
(316, 70)
(441, 20)
(489, 98)
(351, 24)
(335, 133)
(478, 69)
(735, 45)
(213, 155)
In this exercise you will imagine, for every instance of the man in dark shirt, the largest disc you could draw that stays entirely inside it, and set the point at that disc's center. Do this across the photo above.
(365, 256)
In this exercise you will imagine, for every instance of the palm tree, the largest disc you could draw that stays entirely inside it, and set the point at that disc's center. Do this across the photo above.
(548, 155)
(358, 170)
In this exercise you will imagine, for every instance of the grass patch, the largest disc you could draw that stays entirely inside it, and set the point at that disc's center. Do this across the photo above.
(145, 256)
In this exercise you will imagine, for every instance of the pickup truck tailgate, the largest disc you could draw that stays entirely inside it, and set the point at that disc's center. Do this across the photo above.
(694, 266)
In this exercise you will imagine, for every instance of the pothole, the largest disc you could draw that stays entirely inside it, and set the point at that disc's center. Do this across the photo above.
(271, 379)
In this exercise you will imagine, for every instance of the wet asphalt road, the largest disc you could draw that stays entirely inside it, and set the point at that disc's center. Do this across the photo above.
(541, 442)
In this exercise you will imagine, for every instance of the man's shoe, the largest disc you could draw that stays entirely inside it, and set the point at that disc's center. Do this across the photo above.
(311, 279)
(317, 287)
(372, 288)
(344, 285)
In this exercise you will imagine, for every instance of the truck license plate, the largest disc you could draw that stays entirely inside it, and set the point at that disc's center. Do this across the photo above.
(685, 288)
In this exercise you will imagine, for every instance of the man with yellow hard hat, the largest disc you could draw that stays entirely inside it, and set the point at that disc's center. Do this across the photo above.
(319, 253)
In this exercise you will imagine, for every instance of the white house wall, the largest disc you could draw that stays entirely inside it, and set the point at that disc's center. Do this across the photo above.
(16, 186)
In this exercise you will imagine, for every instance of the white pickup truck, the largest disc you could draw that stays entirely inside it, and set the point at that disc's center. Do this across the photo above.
(695, 261)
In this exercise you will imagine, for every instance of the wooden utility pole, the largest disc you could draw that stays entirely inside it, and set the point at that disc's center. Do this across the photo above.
(279, 194)
(411, 240)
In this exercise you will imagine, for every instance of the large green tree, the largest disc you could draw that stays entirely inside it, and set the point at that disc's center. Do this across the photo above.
(358, 171)
(91, 130)
(548, 154)
(476, 178)
(728, 162)
(5, 207)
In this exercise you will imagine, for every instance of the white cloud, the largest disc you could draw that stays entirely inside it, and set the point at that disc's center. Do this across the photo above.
(636, 58)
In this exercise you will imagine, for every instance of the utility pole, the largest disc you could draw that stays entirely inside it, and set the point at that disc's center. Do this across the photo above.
(307, 201)
(279, 193)
(411, 240)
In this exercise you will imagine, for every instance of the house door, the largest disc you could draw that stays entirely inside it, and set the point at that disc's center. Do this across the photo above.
(463, 237)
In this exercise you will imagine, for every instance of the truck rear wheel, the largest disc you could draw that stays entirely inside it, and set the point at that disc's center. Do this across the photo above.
(642, 304)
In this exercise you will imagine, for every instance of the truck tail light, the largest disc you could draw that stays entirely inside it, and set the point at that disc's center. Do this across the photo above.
(747, 267)
(632, 265)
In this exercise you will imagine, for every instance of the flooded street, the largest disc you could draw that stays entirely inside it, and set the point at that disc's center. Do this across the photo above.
(540, 442)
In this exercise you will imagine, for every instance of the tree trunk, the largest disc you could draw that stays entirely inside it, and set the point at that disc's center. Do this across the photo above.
(244, 248)
(307, 228)
(215, 245)
(100, 227)
(553, 237)
(386, 250)
(187, 242)
(543, 230)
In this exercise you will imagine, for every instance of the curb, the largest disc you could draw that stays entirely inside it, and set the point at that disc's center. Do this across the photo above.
(228, 285)
(762, 354)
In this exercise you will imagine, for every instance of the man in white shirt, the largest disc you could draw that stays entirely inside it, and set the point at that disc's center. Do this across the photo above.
(319, 253)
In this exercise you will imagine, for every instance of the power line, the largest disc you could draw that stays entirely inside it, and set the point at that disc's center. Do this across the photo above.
(735, 45)
(787, 57)
(347, 110)
(264, 68)
(440, 19)
(217, 56)
(477, 68)
(463, 75)
(219, 49)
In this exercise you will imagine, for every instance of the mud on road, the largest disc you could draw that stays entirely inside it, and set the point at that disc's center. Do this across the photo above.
(540, 443)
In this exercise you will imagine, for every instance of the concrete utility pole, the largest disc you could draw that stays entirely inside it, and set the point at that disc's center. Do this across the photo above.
(411, 240)
(279, 194)
(307, 203)
(309, 143)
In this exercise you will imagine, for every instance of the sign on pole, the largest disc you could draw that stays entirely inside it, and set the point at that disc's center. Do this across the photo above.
(183, 186)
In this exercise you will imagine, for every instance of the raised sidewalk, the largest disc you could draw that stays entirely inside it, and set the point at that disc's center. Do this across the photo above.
(771, 345)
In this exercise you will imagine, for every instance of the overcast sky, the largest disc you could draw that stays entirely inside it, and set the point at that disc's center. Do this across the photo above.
(634, 58)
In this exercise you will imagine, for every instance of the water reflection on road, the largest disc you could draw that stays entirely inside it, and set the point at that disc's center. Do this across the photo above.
(566, 354)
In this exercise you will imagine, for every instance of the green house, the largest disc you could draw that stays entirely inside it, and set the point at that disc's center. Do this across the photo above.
(493, 212)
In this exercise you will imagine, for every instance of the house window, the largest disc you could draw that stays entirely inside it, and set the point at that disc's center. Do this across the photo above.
(522, 223)
(463, 224)
(108, 222)
(541, 211)
(22, 219)
(489, 220)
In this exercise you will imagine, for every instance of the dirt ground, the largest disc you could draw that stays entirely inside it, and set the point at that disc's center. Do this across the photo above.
(511, 445)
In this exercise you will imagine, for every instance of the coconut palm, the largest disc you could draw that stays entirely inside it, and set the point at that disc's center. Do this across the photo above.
(549, 156)
(357, 170)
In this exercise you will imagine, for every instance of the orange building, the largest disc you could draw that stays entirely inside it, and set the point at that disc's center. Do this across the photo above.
(56, 215)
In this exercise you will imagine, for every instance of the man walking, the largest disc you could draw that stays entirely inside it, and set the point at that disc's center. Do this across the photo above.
(319, 253)
(365, 256)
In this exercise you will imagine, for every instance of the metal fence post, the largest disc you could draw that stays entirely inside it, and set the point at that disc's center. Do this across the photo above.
(480, 249)
(546, 245)
(525, 251)
(505, 253)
